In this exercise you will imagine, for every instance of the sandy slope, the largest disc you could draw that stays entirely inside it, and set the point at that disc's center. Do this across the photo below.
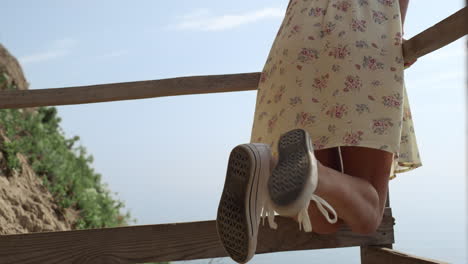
(25, 204)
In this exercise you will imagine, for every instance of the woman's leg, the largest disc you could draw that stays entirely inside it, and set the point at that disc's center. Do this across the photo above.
(331, 159)
(359, 195)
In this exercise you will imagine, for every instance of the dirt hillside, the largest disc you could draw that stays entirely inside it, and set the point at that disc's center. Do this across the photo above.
(25, 204)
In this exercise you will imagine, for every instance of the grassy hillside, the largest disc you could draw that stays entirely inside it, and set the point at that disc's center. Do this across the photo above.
(64, 167)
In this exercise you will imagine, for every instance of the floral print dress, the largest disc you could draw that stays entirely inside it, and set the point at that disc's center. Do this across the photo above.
(335, 69)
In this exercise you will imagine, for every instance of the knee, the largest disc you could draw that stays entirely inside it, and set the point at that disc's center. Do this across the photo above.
(368, 218)
(367, 225)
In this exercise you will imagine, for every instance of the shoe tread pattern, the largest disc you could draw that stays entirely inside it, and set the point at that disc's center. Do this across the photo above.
(232, 219)
(289, 176)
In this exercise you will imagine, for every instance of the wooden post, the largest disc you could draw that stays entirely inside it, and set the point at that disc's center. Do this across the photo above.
(366, 256)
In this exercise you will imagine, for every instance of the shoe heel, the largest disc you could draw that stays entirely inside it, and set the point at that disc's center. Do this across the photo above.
(232, 221)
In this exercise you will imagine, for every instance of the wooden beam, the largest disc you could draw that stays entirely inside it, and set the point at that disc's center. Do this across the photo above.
(169, 242)
(129, 90)
(437, 36)
(431, 39)
(378, 255)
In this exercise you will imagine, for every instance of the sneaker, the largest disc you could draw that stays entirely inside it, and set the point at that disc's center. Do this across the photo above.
(242, 200)
(294, 180)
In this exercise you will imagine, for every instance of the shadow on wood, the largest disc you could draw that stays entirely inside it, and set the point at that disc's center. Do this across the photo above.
(169, 242)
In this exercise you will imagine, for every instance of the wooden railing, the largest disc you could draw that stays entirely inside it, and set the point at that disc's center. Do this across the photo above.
(448, 30)
(197, 240)
(170, 242)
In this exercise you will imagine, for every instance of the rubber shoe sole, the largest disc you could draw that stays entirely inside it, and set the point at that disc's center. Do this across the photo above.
(238, 213)
(289, 185)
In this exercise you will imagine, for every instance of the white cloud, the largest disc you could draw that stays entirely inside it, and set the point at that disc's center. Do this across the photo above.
(113, 54)
(200, 19)
(59, 48)
(41, 56)
(195, 14)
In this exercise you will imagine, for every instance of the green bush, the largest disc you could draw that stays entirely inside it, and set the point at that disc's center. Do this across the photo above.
(64, 167)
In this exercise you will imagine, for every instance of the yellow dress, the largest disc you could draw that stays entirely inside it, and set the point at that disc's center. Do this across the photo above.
(335, 69)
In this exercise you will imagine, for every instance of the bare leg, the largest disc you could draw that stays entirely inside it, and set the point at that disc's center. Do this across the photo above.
(331, 159)
(359, 200)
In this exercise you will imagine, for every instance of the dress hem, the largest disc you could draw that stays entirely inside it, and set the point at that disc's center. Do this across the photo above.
(399, 167)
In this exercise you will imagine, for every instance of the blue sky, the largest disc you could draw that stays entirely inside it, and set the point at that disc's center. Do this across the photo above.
(166, 157)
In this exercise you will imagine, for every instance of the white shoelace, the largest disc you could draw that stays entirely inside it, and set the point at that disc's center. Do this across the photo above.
(304, 219)
(268, 211)
(303, 216)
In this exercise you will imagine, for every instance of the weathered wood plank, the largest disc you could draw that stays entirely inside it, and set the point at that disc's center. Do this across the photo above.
(437, 36)
(168, 242)
(129, 90)
(378, 255)
(431, 39)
